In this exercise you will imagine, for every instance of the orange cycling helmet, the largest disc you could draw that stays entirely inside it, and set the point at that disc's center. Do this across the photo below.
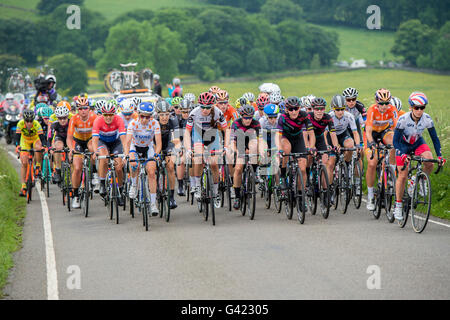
(382, 95)
(222, 96)
(82, 102)
(63, 104)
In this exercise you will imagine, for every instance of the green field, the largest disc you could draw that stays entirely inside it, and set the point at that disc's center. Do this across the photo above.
(401, 84)
(372, 45)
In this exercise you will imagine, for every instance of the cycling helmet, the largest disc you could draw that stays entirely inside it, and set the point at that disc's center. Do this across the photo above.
(417, 99)
(63, 104)
(311, 97)
(262, 101)
(190, 96)
(214, 90)
(206, 98)
(127, 107)
(176, 81)
(338, 102)
(46, 112)
(100, 103)
(146, 108)
(109, 107)
(62, 111)
(82, 102)
(156, 76)
(176, 101)
(222, 96)
(169, 101)
(382, 95)
(28, 115)
(9, 96)
(275, 97)
(305, 102)
(396, 102)
(350, 93)
(40, 105)
(114, 102)
(271, 109)
(249, 96)
(247, 110)
(162, 106)
(319, 102)
(137, 101)
(186, 105)
(292, 102)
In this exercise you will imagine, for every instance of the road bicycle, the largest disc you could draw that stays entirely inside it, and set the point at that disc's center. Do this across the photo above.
(163, 187)
(30, 171)
(46, 173)
(248, 188)
(419, 201)
(268, 178)
(86, 187)
(318, 186)
(66, 177)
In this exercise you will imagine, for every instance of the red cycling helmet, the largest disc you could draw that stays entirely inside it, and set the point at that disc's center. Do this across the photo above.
(206, 99)
(262, 101)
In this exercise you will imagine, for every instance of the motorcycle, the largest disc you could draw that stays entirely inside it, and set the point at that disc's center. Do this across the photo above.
(11, 117)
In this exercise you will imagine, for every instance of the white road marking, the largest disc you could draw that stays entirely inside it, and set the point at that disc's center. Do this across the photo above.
(52, 276)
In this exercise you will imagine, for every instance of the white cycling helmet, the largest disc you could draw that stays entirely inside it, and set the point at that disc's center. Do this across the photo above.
(62, 111)
(127, 106)
(190, 96)
(9, 96)
(249, 96)
(275, 97)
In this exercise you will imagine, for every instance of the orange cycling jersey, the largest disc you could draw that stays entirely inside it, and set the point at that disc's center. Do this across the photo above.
(381, 121)
(400, 113)
(79, 129)
(230, 115)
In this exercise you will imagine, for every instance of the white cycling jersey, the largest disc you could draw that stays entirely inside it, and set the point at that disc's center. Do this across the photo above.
(412, 131)
(200, 122)
(342, 124)
(143, 135)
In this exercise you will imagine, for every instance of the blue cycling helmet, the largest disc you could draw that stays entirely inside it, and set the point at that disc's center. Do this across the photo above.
(169, 100)
(282, 105)
(146, 108)
(271, 109)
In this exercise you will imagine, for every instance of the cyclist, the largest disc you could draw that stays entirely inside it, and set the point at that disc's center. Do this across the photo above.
(251, 99)
(79, 138)
(323, 124)
(29, 134)
(190, 96)
(356, 108)
(43, 115)
(185, 108)
(201, 131)
(139, 144)
(108, 137)
(244, 137)
(305, 104)
(98, 106)
(127, 111)
(408, 138)
(176, 112)
(269, 125)
(381, 120)
(397, 103)
(261, 102)
(171, 145)
(295, 135)
(227, 109)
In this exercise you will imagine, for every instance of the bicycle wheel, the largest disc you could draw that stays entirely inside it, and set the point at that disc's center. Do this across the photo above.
(167, 196)
(62, 185)
(300, 197)
(251, 193)
(277, 198)
(421, 202)
(243, 194)
(389, 193)
(267, 185)
(228, 186)
(30, 183)
(289, 194)
(324, 194)
(204, 194)
(314, 191)
(162, 192)
(86, 191)
(336, 185)
(378, 194)
(343, 188)
(68, 188)
(144, 200)
(48, 178)
(357, 184)
(210, 197)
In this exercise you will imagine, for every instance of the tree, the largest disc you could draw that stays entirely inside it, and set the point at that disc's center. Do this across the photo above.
(47, 6)
(205, 67)
(441, 49)
(413, 39)
(19, 37)
(8, 61)
(70, 72)
(279, 10)
(256, 61)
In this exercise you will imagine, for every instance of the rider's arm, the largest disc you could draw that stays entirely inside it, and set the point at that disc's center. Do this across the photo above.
(435, 139)
(126, 146)
(69, 139)
(158, 142)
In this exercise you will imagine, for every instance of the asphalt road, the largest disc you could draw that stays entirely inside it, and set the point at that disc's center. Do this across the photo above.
(351, 256)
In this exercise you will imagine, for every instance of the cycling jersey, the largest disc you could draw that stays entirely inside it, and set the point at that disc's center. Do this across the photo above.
(238, 129)
(143, 135)
(29, 134)
(347, 121)
(171, 127)
(58, 132)
(126, 122)
(202, 123)
(293, 127)
(408, 133)
(321, 125)
(358, 110)
(81, 130)
(230, 115)
(381, 121)
(108, 132)
(53, 118)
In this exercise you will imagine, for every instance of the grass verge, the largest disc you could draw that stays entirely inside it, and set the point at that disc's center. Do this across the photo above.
(12, 213)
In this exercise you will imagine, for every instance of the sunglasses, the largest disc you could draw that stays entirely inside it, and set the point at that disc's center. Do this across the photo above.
(83, 108)
(164, 114)
(145, 117)
(293, 109)
(127, 114)
(339, 109)
(419, 108)
(29, 121)
(206, 107)
(176, 107)
(272, 117)
(45, 118)
(383, 103)
(351, 100)
(109, 114)
(222, 102)
(62, 118)
(319, 108)
(247, 118)
(184, 111)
